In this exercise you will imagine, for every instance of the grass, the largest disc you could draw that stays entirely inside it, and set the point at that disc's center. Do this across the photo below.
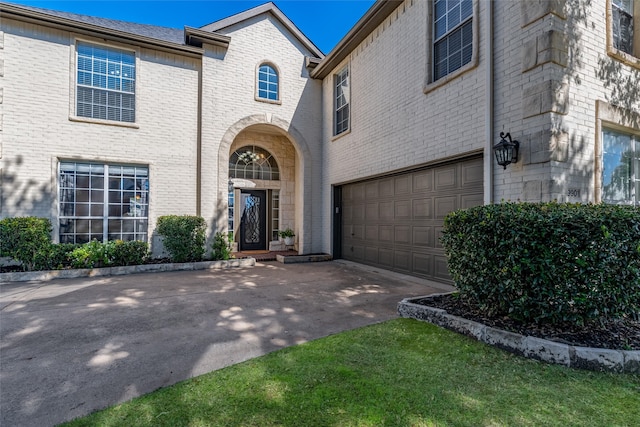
(398, 373)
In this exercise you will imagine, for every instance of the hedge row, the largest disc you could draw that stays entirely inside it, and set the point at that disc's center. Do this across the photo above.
(547, 262)
(28, 240)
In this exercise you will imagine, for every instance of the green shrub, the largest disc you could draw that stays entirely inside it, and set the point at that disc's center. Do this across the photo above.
(58, 256)
(132, 252)
(221, 246)
(183, 236)
(547, 262)
(25, 239)
(90, 255)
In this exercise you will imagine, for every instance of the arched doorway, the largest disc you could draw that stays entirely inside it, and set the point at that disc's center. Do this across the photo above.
(254, 197)
(291, 152)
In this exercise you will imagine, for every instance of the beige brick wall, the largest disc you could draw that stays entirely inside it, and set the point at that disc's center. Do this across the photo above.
(230, 107)
(394, 123)
(37, 130)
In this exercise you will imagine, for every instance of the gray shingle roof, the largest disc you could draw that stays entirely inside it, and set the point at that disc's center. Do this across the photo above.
(172, 35)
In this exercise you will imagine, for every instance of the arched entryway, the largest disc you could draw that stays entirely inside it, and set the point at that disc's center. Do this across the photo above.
(266, 165)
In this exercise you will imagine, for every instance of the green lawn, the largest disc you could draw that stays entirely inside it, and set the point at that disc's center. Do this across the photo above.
(398, 373)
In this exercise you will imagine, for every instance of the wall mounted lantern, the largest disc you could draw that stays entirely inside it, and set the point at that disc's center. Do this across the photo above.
(506, 150)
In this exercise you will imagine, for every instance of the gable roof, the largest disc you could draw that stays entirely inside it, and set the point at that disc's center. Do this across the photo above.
(187, 40)
(271, 8)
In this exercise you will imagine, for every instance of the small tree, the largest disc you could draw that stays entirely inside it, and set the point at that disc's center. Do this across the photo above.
(183, 236)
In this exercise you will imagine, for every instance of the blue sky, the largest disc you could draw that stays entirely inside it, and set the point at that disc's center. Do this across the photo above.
(325, 22)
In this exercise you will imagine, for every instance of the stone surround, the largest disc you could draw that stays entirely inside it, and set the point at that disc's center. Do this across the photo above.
(595, 359)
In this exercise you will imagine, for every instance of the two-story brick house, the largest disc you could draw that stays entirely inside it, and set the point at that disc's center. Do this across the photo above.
(108, 125)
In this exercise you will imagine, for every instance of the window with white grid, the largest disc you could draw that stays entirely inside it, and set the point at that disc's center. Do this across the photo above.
(105, 83)
(103, 202)
(452, 35)
(342, 97)
(268, 83)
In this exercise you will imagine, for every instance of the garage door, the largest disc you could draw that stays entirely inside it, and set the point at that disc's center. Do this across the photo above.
(394, 222)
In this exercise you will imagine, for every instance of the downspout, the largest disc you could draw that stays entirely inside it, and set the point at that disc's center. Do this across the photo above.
(199, 141)
(488, 110)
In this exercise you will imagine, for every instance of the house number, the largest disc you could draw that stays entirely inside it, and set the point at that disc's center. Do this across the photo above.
(574, 192)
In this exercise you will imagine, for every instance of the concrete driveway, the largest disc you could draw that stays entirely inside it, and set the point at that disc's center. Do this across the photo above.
(70, 347)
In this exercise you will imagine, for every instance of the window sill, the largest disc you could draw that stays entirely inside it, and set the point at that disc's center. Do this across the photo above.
(104, 122)
(449, 77)
(268, 101)
(340, 135)
(624, 57)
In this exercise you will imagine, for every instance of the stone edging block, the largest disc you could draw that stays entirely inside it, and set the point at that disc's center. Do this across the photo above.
(595, 359)
(43, 276)
(292, 259)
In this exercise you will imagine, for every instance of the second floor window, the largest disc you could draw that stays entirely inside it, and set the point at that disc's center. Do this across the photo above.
(342, 95)
(622, 20)
(268, 83)
(452, 35)
(105, 83)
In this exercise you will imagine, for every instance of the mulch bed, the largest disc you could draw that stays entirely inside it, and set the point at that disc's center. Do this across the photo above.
(621, 334)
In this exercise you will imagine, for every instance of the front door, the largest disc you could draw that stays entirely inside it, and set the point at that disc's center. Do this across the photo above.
(253, 222)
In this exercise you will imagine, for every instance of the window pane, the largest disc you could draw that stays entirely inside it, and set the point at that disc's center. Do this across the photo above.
(102, 74)
(617, 170)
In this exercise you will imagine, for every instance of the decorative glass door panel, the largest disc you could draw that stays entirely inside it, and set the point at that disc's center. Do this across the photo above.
(253, 224)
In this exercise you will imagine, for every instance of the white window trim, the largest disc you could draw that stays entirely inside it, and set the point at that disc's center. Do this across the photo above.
(257, 83)
(334, 112)
(616, 119)
(73, 75)
(430, 84)
(57, 161)
(632, 60)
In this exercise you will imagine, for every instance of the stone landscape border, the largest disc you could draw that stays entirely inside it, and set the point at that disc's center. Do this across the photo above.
(294, 259)
(43, 276)
(595, 359)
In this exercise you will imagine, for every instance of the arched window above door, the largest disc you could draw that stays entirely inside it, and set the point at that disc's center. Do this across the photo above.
(251, 162)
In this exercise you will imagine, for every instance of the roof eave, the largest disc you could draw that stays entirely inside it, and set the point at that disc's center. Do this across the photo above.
(196, 37)
(26, 15)
(380, 10)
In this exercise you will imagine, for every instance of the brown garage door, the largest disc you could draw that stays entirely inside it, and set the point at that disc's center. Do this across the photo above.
(394, 222)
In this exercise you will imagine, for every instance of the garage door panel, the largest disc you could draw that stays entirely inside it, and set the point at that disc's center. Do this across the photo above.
(441, 271)
(385, 257)
(357, 232)
(386, 210)
(472, 173)
(402, 185)
(371, 212)
(423, 264)
(386, 187)
(371, 254)
(402, 261)
(471, 200)
(423, 236)
(423, 181)
(385, 233)
(371, 232)
(402, 234)
(395, 222)
(423, 208)
(402, 210)
(446, 178)
(444, 205)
